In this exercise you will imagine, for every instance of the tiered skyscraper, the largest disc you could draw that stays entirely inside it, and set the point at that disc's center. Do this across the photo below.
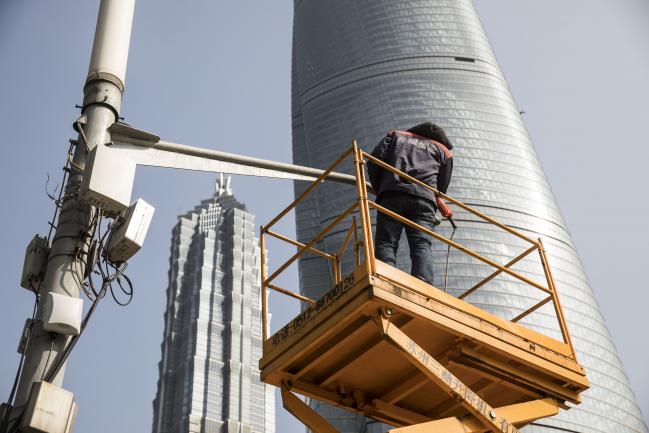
(363, 67)
(209, 376)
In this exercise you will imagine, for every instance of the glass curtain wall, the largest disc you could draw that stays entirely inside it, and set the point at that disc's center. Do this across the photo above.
(364, 67)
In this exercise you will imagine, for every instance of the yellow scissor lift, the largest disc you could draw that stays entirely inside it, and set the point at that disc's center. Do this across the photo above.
(396, 349)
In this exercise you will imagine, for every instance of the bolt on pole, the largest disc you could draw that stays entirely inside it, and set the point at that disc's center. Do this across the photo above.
(103, 93)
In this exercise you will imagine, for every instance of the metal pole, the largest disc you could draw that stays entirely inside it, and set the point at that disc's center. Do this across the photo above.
(264, 295)
(251, 161)
(363, 210)
(101, 104)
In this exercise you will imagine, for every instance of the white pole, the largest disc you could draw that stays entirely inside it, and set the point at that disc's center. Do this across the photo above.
(102, 100)
(112, 40)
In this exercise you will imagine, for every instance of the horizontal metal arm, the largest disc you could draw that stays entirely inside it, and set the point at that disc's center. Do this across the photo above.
(147, 149)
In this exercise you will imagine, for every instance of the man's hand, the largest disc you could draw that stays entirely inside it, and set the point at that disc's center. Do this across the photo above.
(443, 208)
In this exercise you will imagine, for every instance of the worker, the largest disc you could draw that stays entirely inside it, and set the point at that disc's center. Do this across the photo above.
(423, 152)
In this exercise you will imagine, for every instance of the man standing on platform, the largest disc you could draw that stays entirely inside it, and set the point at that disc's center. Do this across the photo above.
(423, 152)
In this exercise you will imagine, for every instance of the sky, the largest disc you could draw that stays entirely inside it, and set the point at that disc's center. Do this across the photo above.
(201, 75)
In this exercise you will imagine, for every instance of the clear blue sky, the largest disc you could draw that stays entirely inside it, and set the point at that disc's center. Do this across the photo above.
(198, 74)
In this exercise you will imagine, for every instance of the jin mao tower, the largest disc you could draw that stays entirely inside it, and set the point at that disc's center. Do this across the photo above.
(209, 377)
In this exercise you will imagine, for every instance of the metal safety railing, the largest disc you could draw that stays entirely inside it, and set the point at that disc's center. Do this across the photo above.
(364, 243)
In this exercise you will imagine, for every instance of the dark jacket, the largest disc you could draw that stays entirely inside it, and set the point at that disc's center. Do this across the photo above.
(424, 159)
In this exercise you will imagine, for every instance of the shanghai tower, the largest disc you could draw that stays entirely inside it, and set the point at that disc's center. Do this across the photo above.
(364, 67)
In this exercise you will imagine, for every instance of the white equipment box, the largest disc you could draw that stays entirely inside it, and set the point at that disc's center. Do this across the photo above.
(128, 235)
(108, 179)
(50, 409)
(35, 263)
(62, 314)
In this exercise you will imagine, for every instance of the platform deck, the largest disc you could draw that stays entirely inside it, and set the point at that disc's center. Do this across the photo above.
(336, 351)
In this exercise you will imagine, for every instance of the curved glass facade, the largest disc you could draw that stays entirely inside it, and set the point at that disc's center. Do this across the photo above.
(363, 67)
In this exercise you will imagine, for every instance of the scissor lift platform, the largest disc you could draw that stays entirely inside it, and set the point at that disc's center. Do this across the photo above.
(396, 349)
(355, 348)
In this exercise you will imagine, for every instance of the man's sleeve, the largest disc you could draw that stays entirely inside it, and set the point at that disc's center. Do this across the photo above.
(380, 152)
(445, 172)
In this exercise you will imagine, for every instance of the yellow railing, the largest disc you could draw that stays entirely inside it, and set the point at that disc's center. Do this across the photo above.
(362, 206)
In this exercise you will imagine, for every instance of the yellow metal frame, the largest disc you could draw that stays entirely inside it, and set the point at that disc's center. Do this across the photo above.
(362, 205)
(482, 417)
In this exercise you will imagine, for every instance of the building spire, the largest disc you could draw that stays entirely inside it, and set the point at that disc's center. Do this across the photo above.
(222, 185)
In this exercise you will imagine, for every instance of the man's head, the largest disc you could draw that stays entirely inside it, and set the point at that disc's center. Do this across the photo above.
(432, 131)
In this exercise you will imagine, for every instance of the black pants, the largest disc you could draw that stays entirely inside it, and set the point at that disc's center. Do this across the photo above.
(388, 232)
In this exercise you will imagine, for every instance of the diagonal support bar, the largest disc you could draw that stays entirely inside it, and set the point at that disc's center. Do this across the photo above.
(305, 414)
(443, 378)
(521, 413)
(498, 272)
(457, 246)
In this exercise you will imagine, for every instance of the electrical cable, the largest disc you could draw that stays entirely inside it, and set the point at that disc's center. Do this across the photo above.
(124, 282)
(62, 357)
(47, 182)
(108, 279)
(52, 225)
(22, 355)
(79, 277)
(90, 284)
(128, 293)
(57, 202)
(49, 354)
(77, 273)
(448, 254)
(89, 267)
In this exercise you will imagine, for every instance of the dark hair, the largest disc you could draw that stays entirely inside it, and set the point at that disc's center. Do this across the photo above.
(432, 131)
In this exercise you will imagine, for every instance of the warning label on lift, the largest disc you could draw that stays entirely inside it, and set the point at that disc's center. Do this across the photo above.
(327, 299)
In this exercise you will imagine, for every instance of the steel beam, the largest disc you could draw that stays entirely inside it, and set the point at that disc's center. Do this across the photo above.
(305, 414)
(450, 384)
(521, 413)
